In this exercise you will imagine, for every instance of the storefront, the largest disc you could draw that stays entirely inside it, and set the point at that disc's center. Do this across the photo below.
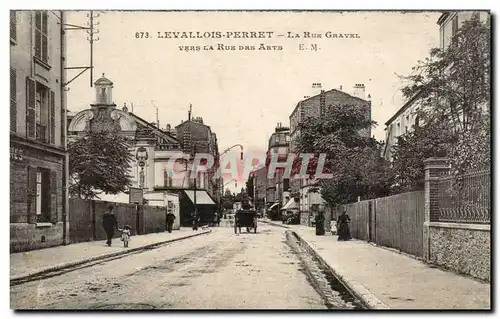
(36, 195)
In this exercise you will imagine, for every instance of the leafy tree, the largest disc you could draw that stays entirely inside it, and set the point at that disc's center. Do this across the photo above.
(353, 158)
(228, 196)
(453, 87)
(409, 154)
(228, 199)
(99, 163)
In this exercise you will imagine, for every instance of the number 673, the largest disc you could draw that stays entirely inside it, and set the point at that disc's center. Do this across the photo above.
(141, 35)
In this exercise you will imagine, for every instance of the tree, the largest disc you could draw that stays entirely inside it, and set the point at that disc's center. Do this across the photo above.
(409, 154)
(228, 196)
(353, 158)
(99, 163)
(228, 199)
(453, 87)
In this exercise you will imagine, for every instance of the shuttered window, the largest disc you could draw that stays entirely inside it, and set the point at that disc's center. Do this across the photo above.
(30, 108)
(13, 100)
(13, 25)
(52, 117)
(31, 190)
(53, 197)
(41, 42)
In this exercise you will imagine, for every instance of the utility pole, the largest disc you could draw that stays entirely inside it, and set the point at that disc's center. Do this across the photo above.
(195, 213)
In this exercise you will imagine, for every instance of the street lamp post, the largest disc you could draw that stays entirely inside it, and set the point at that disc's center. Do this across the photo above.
(229, 148)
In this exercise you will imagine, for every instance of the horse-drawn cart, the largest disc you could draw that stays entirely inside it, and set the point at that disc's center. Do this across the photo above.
(245, 218)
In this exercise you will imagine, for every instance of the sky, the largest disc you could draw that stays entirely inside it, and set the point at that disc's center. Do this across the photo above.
(242, 94)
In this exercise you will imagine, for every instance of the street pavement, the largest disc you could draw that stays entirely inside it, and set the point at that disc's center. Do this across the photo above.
(398, 281)
(30, 262)
(221, 270)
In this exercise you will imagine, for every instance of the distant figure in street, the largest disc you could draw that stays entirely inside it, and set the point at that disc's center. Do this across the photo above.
(344, 233)
(109, 224)
(125, 235)
(195, 222)
(333, 227)
(170, 221)
(320, 224)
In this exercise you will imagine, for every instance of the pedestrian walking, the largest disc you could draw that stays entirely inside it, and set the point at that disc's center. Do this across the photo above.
(344, 232)
(126, 235)
(170, 221)
(109, 224)
(320, 224)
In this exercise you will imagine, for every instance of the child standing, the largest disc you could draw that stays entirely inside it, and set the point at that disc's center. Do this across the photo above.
(125, 235)
(333, 227)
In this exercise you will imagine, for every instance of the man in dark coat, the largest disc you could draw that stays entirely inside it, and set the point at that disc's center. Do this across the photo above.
(170, 221)
(109, 224)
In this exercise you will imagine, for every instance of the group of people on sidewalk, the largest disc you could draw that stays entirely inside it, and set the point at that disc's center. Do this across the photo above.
(340, 228)
(110, 224)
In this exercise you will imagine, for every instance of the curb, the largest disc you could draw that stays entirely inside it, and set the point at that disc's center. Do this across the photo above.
(274, 224)
(369, 300)
(399, 252)
(24, 278)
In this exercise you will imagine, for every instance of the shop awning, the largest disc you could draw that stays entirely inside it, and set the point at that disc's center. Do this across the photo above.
(273, 205)
(291, 205)
(202, 197)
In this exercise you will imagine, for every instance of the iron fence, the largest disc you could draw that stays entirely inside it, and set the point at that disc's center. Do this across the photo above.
(465, 198)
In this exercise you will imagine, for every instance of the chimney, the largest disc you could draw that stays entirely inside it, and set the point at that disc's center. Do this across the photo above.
(340, 88)
(168, 127)
(125, 109)
(359, 91)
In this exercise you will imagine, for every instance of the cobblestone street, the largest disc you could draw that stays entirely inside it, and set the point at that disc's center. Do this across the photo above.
(216, 271)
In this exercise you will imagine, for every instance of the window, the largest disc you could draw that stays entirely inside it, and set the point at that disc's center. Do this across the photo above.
(103, 95)
(167, 178)
(43, 195)
(13, 25)
(41, 30)
(454, 25)
(42, 112)
(13, 100)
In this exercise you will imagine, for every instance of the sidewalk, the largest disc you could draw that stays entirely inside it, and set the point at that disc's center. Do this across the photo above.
(59, 257)
(396, 280)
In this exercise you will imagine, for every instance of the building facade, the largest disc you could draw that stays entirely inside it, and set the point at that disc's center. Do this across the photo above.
(306, 190)
(406, 118)
(277, 190)
(196, 137)
(38, 156)
(402, 122)
(450, 22)
(149, 145)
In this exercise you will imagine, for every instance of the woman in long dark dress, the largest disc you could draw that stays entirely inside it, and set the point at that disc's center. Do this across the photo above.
(344, 233)
(320, 224)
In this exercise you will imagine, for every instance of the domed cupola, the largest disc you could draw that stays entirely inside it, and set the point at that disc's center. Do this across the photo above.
(104, 88)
